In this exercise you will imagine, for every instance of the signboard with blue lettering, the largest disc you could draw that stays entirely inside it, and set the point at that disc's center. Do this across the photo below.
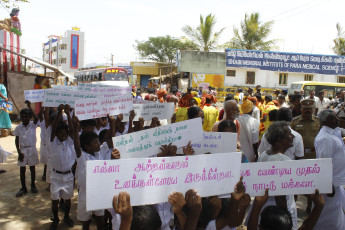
(286, 62)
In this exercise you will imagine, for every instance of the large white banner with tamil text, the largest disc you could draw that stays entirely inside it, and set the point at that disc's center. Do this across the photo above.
(151, 180)
(148, 142)
(148, 111)
(101, 107)
(287, 177)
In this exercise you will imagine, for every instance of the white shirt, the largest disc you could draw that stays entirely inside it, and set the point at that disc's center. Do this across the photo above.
(329, 144)
(322, 105)
(43, 132)
(166, 214)
(27, 135)
(284, 105)
(103, 154)
(249, 135)
(62, 154)
(255, 114)
(315, 98)
(297, 150)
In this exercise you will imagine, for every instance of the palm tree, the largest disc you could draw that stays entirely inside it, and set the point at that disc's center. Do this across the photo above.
(253, 35)
(339, 42)
(204, 36)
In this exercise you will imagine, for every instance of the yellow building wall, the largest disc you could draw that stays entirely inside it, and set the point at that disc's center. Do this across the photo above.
(215, 80)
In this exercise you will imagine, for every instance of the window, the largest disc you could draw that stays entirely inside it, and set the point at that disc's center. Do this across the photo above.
(54, 49)
(63, 47)
(308, 77)
(250, 78)
(54, 62)
(231, 73)
(74, 51)
(62, 61)
(341, 79)
(283, 78)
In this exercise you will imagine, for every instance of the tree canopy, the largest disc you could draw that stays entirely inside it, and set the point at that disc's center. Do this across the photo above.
(204, 36)
(162, 49)
(339, 41)
(252, 35)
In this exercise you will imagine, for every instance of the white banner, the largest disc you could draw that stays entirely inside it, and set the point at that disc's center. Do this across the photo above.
(53, 98)
(147, 142)
(288, 177)
(101, 107)
(216, 142)
(148, 111)
(151, 180)
(34, 96)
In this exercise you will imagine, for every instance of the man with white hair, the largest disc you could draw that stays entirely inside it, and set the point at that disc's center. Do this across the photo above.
(329, 144)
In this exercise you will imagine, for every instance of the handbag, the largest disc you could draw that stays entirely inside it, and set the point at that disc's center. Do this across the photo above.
(6, 106)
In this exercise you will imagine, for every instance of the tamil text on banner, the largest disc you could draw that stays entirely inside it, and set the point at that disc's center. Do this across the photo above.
(115, 90)
(148, 111)
(288, 177)
(54, 98)
(286, 62)
(148, 142)
(64, 87)
(151, 180)
(101, 107)
(141, 101)
(216, 142)
(34, 96)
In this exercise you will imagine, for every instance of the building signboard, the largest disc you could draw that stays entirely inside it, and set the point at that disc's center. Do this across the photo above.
(286, 62)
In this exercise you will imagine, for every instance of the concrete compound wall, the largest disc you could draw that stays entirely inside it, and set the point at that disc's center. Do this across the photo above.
(202, 62)
(17, 83)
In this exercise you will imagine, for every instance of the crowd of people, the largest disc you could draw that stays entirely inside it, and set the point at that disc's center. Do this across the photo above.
(276, 127)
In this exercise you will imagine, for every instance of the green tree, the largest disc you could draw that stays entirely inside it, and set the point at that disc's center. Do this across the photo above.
(204, 37)
(11, 3)
(252, 35)
(339, 42)
(160, 49)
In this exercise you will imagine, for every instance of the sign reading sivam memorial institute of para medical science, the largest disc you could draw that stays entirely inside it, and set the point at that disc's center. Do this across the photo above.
(286, 62)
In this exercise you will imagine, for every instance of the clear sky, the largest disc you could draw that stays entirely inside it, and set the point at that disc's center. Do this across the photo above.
(112, 26)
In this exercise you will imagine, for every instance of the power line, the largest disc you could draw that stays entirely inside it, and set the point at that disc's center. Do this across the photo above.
(304, 10)
(287, 11)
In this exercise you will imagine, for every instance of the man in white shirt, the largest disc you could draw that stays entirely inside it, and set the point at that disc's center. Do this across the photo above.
(296, 152)
(282, 102)
(322, 104)
(329, 144)
(249, 134)
(312, 95)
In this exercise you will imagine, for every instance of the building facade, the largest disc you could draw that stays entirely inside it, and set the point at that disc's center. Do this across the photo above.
(143, 71)
(66, 52)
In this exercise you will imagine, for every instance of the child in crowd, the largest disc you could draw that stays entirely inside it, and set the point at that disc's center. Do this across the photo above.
(43, 147)
(87, 147)
(62, 159)
(192, 211)
(26, 146)
(88, 125)
(230, 126)
(275, 217)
